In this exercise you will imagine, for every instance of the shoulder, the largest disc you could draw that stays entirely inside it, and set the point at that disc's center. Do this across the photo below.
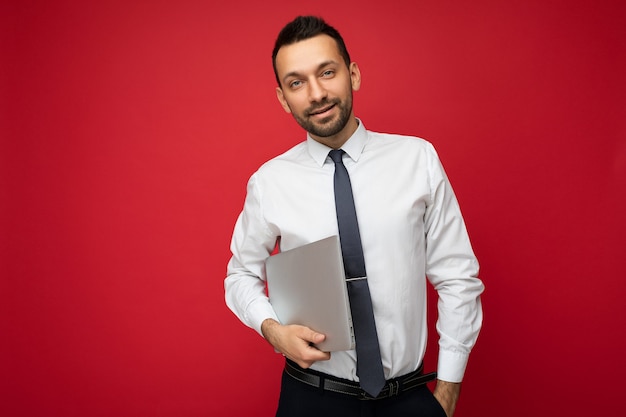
(284, 162)
(408, 146)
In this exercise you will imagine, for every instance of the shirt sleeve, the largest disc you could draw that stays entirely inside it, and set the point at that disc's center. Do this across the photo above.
(452, 268)
(252, 242)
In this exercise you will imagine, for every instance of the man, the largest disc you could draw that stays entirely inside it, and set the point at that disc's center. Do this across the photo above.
(410, 228)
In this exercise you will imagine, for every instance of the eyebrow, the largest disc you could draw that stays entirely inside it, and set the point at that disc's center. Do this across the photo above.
(319, 67)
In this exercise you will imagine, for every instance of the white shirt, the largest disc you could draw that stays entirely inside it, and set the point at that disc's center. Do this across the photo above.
(411, 228)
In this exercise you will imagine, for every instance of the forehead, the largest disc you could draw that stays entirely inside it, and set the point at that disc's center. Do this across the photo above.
(307, 55)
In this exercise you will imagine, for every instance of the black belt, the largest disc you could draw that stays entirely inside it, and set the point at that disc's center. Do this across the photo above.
(392, 387)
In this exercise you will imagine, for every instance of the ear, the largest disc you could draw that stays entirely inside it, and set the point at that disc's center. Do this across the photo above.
(281, 99)
(355, 76)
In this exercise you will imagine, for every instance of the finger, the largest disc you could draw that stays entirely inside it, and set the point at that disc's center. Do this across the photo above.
(315, 354)
(317, 337)
(307, 361)
(311, 335)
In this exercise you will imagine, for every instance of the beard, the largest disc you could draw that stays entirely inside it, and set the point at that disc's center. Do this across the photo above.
(327, 126)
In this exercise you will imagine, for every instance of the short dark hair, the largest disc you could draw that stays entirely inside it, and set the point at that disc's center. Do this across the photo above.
(306, 27)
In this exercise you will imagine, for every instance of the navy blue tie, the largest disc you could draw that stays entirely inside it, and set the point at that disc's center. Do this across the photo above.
(369, 367)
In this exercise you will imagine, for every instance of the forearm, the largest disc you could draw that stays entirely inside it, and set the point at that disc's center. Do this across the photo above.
(447, 393)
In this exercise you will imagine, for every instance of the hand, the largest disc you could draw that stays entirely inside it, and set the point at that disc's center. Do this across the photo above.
(447, 393)
(294, 342)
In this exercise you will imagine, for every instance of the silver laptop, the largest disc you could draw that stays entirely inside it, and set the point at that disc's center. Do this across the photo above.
(307, 286)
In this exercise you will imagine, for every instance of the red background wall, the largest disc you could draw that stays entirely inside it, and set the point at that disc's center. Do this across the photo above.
(129, 130)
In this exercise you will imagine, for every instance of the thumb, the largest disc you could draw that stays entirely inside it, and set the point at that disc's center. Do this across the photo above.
(317, 337)
(313, 336)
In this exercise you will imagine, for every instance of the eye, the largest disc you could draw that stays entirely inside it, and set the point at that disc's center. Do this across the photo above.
(295, 84)
(328, 73)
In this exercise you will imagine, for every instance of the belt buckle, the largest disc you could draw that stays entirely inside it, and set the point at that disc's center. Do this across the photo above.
(394, 390)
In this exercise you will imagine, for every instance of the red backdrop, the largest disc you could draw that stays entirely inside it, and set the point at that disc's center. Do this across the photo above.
(129, 130)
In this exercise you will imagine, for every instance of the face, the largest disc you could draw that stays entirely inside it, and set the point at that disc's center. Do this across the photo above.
(316, 88)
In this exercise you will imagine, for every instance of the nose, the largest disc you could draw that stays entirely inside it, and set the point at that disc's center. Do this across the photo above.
(317, 92)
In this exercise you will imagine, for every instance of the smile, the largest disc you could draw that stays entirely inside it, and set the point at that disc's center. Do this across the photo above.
(321, 111)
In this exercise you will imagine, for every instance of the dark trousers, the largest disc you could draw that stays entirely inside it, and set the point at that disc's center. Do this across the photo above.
(298, 399)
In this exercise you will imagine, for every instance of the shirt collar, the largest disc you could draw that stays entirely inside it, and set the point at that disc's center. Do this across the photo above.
(353, 146)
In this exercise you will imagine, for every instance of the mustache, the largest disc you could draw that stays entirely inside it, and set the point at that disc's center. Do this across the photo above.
(322, 105)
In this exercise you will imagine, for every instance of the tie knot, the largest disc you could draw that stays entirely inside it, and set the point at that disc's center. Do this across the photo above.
(336, 155)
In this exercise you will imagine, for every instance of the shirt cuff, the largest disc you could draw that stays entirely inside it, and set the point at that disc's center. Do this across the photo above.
(259, 311)
(451, 366)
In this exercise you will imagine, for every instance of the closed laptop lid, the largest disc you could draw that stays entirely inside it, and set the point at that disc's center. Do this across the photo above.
(307, 286)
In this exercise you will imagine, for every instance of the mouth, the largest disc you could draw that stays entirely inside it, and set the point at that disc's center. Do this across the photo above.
(323, 111)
